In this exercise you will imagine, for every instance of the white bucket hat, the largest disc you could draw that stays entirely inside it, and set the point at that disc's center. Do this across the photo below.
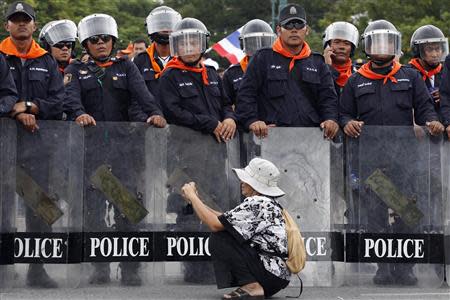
(262, 176)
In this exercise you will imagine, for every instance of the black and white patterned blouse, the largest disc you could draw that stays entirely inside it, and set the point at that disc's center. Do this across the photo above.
(259, 220)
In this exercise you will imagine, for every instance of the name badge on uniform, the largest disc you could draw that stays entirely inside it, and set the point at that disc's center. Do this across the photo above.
(67, 78)
(83, 72)
(114, 78)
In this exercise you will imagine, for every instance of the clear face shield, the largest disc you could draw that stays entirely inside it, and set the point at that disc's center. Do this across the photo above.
(60, 31)
(254, 41)
(383, 42)
(96, 25)
(433, 51)
(162, 21)
(187, 42)
(342, 31)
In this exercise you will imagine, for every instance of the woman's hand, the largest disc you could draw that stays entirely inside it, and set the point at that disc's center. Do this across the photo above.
(189, 191)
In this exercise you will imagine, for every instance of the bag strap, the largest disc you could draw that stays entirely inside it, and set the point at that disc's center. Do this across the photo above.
(301, 288)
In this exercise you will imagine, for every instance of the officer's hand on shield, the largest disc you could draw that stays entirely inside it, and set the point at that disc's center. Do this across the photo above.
(228, 129)
(419, 132)
(448, 132)
(353, 128)
(217, 131)
(157, 121)
(28, 120)
(260, 129)
(85, 120)
(330, 129)
(435, 127)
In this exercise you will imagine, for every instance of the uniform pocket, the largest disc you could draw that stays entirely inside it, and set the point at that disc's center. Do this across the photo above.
(276, 84)
(401, 93)
(366, 99)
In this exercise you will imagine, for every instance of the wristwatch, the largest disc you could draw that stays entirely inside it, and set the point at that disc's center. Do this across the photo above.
(28, 105)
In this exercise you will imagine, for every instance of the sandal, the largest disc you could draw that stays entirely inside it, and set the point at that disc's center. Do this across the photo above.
(242, 295)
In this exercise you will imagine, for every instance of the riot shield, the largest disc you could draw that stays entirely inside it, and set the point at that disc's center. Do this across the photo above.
(183, 155)
(311, 172)
(116, 246)
(7, 206)
(47, 208)
(393, 183)
(445, 165)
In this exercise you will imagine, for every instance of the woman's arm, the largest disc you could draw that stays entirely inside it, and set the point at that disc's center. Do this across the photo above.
(206, 214)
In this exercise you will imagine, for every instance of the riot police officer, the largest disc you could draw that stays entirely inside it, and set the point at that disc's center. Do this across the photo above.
(159, 23)
(383, 92)
(288, 85)
(429, 47)
(106, 89)
(191, 93)
(255, 34)
(340, 41)
(58, 38)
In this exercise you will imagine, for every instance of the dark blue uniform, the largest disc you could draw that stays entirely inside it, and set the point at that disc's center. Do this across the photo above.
(144, 65)
(39, 81)
(231, 81)
(187, 101)
(444, 90)
(392, 104)
(111, 94)
(335, 74)
(431, 86)
(269, 92)
(8, 91)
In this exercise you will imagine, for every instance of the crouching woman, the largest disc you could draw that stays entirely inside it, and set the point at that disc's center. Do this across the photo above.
(248, 244)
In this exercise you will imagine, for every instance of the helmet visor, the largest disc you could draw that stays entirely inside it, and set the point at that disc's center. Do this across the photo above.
(433, 51)
(344, 32)
(187, 43)
(162, 21)
(255, 41)
(383, 42)
(97, 25)
(60, 32)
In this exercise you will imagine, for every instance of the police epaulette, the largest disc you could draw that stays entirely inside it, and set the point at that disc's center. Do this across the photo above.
(115, 59)
(234, 66)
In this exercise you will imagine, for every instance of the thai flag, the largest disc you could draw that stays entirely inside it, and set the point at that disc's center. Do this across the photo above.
(229, 47)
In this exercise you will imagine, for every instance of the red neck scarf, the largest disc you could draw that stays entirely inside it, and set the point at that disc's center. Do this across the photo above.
(368, 73)
(244, 63)
(345, 71)
(8, 47)
(151, 54)
(426, 74)
(105, 64)
(175, 63)
(278, 47)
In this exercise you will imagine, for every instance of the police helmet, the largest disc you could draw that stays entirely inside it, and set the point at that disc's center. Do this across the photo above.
(428, 36)
(341, 31)
(162, 18)
(58, 31)
(256, 34)
(189, 36)
(96, 24)
(382, 38)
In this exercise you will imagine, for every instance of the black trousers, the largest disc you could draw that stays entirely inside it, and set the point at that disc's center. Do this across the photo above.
(238, 264)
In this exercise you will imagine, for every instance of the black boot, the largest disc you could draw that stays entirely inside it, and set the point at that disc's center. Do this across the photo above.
(38, 277)
(130, 274)
(404, 275)
(100, 275)
(383, 275)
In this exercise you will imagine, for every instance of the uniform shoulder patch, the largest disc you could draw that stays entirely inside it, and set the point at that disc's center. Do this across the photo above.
(67, 78)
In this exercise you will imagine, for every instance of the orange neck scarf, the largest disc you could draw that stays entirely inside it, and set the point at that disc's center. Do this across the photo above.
(345, 71)
(104, 65)
(175, 63)
(278, 47)
(426, 74)
(368, 73)
(151, 54)
(8, 47)
(244, 63)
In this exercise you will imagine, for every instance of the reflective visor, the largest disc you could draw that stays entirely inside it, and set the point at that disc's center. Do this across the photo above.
(187, 42)
(255, 41)
(60, 31)
(433, 51)
(162, 21)
(383, 42)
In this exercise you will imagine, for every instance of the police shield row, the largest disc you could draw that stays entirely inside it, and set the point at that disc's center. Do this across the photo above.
(281, 81)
